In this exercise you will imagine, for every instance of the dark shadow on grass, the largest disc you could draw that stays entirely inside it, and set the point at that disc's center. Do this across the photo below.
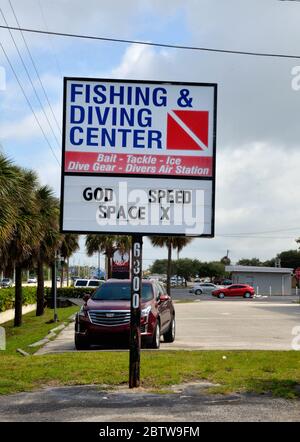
(284, 388)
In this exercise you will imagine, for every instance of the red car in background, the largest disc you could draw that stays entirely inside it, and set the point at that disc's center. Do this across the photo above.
(235, 290)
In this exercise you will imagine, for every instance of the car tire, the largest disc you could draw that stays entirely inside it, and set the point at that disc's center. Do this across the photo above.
(221, 296)
(247, 295)
(81, 343)
(155, 341)
(169, 336)
(198, 292)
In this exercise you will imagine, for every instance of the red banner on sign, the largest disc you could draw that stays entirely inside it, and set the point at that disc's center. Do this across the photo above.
(140, 164)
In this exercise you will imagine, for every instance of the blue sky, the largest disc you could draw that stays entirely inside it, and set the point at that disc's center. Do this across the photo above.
(258, 113)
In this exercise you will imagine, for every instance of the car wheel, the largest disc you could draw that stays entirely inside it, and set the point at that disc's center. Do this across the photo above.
(247, 295)
(198, 292)
(169, 336)
(155, 342)
(81, 343)
(221, 295)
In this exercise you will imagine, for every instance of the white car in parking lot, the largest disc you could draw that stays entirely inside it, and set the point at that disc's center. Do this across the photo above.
(90, 283)
(205, 288)
(32, 280)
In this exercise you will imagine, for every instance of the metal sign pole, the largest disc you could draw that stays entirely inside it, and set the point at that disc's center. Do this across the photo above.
(135, 318)
(55, 318)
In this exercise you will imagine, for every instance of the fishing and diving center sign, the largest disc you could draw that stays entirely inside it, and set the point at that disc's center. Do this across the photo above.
(138, 157)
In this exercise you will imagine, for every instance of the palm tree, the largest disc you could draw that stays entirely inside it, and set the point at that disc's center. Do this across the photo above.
(26, 233)
(172, 243)
(9, 190)
(106, 244)
(48, 207)
(68, 246)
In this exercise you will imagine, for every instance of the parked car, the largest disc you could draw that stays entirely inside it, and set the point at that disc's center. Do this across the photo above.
(6, 282)
(235, 290)
(32, 280)
(106, 314)
(226, 282)
(84, 283)
(176, 280)
(204, 288)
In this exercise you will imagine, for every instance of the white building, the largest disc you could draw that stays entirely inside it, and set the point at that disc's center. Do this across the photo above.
(265, 280)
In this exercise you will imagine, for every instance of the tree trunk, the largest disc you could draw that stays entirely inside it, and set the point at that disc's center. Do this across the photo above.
(169, 268)
(62, 275)
(68, 272)
(40, 292)
(53, 282)
(18, 296)
(109, 266)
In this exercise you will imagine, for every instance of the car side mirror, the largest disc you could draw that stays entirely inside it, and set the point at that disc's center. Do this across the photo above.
(164, 298)
(86, 297)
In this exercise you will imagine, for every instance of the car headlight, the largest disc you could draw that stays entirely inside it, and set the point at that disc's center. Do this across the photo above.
(82, 312)
(146, 311)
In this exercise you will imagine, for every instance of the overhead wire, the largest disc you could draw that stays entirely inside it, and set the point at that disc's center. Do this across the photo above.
(28, 102)
(155, 44)
(35, 69)
(31, 82)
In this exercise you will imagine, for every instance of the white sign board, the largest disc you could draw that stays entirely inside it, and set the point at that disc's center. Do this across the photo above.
(138, 157)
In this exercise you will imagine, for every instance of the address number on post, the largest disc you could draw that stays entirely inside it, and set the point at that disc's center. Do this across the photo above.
(136, 272)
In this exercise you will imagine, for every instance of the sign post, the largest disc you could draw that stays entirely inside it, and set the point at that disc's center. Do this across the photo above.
(135, 316)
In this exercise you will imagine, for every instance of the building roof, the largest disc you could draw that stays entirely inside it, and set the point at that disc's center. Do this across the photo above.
(257, 269)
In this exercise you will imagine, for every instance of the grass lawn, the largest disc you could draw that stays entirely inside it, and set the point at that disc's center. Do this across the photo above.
(33, 329)
(277, 372)
(252, 371)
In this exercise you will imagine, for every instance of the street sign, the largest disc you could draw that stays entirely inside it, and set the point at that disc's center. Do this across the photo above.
(138, 156)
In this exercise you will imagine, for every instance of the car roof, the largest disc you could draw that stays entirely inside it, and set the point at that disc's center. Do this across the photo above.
(114, 281)
(85, 279)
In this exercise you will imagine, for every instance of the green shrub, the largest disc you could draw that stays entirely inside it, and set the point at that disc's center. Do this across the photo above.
(69, 292)
(7, 297)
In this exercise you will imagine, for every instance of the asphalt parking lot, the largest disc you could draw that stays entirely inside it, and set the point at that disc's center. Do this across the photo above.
(210, 324)
(187, 404)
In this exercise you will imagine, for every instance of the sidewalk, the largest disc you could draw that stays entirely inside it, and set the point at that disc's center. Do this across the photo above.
(62, 343)
(8, 315)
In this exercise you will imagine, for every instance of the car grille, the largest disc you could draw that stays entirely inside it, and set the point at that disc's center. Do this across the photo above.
(109, 317)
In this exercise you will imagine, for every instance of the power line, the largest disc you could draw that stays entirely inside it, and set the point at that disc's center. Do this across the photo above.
(35, 69)
(261, 232)
(30, 80)
(255, 237)
(49, 39)
(28, 102)
(156, 44)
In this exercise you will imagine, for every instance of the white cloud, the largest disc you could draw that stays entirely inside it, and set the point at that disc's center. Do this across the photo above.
(27, 126)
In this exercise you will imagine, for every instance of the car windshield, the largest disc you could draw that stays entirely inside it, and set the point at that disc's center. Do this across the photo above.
(120, 291)
(5, 280)
(81, 283)
(93, 283)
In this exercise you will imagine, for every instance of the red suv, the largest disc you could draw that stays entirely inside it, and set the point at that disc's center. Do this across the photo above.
(235, 290)
(106, 315)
